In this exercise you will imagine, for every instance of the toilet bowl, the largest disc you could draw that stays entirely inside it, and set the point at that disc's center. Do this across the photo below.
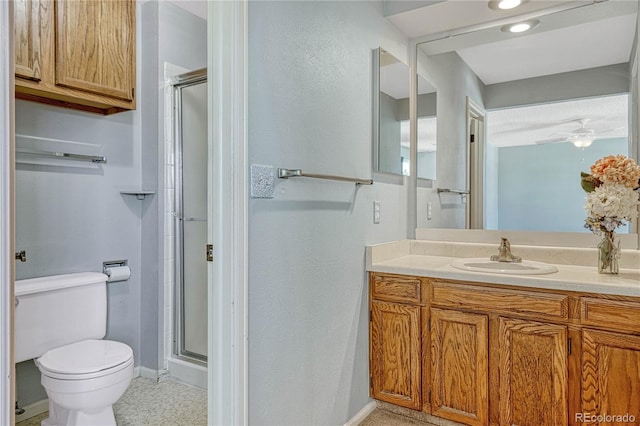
(83, 380)
(60, 322)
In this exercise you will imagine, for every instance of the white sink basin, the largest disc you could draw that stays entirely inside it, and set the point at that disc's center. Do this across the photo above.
(526, 267)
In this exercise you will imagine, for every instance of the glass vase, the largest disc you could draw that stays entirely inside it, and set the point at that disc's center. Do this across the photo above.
(608, 253)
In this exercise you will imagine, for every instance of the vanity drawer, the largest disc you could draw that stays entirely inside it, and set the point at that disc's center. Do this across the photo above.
(500, 300)
(621, 315)
(396, 288)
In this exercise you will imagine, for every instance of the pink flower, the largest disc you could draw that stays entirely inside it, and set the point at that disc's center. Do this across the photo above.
(617, 169)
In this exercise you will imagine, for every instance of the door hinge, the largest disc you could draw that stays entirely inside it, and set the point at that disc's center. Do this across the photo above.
(209, 252)
(429, 396)
(371, 382)
(429, 324)
(370, 315)
(133, 93)
(569, 345)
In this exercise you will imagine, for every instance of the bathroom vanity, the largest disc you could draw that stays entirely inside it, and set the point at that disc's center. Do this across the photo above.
(502, 349)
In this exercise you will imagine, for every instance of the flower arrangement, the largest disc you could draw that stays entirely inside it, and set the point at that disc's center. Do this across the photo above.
(613, 196)
(612, 193)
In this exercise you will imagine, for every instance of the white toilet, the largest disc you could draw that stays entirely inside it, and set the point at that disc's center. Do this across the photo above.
(60, 321)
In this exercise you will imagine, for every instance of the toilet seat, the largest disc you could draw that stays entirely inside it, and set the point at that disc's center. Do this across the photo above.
(87, 359)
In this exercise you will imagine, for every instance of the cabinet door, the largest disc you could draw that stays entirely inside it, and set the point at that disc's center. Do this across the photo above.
(459, 372)
(532, 373)
(27, 38)
(395, 353)
(95, 46)
(611, 377)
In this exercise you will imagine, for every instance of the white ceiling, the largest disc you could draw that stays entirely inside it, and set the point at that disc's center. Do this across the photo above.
(526, 125)
(583, 46)
(591, 36)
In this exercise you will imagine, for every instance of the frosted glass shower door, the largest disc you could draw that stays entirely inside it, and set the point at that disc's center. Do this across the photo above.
(192, 220)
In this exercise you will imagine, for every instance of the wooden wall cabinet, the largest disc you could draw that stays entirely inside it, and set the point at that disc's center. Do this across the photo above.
(503, 356)
(76, 53)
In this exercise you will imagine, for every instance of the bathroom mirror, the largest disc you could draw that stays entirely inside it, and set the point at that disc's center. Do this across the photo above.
(390, 114)
(427, 129)
(535, 92)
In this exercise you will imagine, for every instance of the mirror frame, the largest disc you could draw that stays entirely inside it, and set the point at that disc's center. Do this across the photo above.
(375, 119)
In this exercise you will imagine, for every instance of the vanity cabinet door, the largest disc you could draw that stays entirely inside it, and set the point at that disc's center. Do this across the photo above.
(395, 353)
(611, 376)
(459, 366)
(533, 375)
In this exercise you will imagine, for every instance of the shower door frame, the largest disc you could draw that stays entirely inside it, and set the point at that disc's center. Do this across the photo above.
(178, 83)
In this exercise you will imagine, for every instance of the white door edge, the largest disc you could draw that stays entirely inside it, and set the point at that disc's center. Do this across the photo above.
(7, 395)
(228, 221)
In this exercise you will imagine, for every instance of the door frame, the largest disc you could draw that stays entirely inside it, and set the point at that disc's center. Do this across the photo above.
(228, 212)
(475, 123)
(7, 240)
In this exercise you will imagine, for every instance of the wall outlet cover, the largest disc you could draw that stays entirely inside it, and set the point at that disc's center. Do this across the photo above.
(262, 178)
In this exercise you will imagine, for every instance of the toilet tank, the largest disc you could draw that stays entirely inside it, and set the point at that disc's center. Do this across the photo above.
(58, 310)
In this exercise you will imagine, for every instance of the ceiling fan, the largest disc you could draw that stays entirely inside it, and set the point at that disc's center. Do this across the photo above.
(581, 137)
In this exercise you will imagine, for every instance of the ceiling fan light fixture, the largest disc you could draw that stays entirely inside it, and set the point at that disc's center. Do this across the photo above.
(582, 142)
(505, 4)
(520, 27)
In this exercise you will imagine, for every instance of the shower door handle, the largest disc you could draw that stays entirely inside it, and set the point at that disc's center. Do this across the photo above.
(209, 252)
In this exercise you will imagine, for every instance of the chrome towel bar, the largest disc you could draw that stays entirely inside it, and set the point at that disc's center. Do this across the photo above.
(287, 173)
(453, 191)
(80, 157)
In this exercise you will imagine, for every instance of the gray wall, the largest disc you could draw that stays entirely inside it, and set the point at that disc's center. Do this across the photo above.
(539, 189)
(600, 81)
(310, 108)
(71, 220)
(454, 81)
(389, 139)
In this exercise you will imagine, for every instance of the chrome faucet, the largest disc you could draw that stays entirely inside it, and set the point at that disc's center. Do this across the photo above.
(504, 253)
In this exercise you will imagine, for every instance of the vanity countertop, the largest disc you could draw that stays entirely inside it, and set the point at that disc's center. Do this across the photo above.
(409, 257)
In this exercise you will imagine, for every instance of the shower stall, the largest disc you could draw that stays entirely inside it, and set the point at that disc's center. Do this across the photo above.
(189, 101)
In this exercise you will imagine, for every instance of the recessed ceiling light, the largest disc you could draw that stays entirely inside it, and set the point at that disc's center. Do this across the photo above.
(520, 27)
(505, 4)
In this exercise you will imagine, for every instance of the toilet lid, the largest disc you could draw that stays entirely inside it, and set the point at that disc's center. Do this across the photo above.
(87, 356)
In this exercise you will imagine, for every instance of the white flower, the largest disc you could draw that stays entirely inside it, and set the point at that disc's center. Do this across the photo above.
(613, 200)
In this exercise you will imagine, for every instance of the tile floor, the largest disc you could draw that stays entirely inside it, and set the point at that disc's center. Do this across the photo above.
(152, 403)
(385, 418)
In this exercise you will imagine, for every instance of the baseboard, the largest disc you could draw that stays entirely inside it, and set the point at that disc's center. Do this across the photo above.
(188, 372)
(33, 410)
(147, 373)
(362, 414)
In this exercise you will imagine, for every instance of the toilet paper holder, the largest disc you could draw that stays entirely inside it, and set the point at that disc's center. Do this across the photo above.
(109, 265)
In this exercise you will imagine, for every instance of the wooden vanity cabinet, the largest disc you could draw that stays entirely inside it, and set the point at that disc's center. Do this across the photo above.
(394, 333)
(500, 355)
(459, 366)
(76, 53)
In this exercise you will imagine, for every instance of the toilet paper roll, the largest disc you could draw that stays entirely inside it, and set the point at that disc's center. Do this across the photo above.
(118, 273)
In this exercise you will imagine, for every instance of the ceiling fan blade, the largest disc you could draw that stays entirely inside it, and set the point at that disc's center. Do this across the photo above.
(554, 140)
(608, 131)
